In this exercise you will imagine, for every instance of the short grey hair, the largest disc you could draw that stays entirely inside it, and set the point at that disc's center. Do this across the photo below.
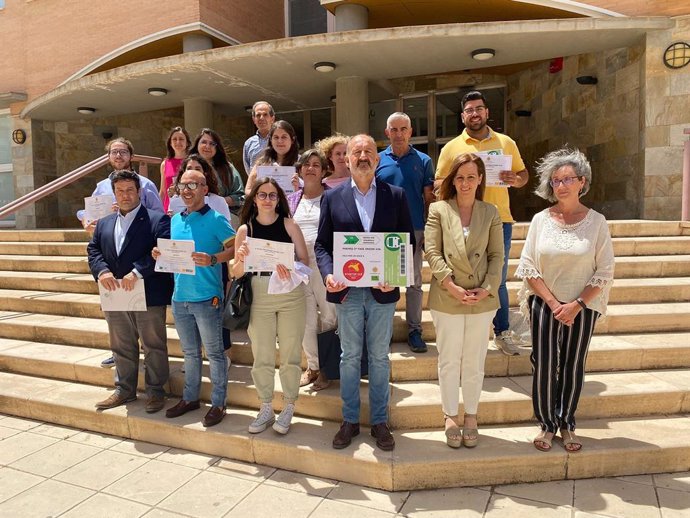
(553, 161)
(258, 103)
(398, 115)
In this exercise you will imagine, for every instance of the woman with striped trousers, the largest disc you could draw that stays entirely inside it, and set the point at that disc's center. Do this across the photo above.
(567, 270)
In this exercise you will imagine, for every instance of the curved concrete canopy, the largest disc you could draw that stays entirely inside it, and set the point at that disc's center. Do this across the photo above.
(281, 71)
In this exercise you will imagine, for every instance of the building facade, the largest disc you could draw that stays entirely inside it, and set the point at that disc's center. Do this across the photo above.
(589, 74)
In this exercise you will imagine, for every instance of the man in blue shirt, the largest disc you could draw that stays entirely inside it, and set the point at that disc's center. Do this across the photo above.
(197, 302)
(263, 117)
(402, 165)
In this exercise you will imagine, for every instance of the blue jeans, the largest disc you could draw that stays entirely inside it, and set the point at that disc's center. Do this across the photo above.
(355, 314)
(198, 322)
(502, 318)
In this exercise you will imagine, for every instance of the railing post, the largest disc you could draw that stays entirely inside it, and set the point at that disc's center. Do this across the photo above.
(685, 204)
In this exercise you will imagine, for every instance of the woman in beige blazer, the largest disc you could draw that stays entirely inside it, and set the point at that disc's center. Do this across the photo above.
(464, 248)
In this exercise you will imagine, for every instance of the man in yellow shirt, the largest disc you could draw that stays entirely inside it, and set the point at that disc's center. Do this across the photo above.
(478, 137)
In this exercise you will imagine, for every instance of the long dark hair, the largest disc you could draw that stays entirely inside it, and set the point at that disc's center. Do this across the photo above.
(221, 164)
(176, 129)
(269, 155)
(448, 190)
(209, 174)
(249, 211)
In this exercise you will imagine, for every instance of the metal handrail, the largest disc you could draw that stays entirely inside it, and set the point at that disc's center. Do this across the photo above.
(64, 180)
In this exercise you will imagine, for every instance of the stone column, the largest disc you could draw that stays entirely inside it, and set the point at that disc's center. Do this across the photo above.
(196, 42)
(198, 113)
(351, 17)
(352, 105)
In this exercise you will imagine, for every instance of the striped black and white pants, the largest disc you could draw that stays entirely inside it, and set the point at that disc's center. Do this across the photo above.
(558, 360)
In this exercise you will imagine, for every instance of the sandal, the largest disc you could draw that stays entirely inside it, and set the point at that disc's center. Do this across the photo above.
(543, 441)
(453, 433)
(322, 382)
(308, 376)
(571, 442)
(470, 436)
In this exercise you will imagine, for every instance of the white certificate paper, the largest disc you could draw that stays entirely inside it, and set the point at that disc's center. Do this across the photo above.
(280, 173)
(96, 207)
(494, 164)
(176, 256)
(122, 300)
(265, 255)
(364, 259)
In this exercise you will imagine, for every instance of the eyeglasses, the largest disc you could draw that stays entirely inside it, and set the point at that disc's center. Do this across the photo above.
(119, 152)
(211, 143)
(567, 181)
(273, 196)
(478, 110)
(192, 186)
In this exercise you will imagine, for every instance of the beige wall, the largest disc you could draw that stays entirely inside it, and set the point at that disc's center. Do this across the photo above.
(666, 95)
(601, 120)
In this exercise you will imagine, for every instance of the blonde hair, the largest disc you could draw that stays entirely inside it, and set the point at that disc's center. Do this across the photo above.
(326, 146)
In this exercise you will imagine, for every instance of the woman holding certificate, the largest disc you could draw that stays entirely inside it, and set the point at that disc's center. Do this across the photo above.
(177, 144)
(464, 248)
(282, 150)
(305, 206)
(266, 216)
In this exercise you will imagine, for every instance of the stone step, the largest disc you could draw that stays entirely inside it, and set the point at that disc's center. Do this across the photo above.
(45, 235)
(32, 263)
(624, 291)
(607, 352)
(631, 246)
(49, 281)
(42, 248)
(414, 404)
(612, 447)
(620, 318)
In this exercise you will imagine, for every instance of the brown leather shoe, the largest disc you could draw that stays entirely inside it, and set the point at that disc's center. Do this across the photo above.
(154, 404)
(115, 399)
(213, 416)
(308, 376)
(181, 408)
(322, 382)
(344, 436)
(384, 438)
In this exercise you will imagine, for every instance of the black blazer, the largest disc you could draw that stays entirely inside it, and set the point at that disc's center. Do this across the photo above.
(339, 214)
(147, 227)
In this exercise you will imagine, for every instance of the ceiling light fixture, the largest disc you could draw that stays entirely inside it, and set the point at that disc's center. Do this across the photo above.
(483, 54)
(86, 110)
(158, 92)
(324, 66)
(587, 80)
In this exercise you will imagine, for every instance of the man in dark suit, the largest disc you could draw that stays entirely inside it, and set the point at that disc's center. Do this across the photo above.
(120, 257)
(362, 205)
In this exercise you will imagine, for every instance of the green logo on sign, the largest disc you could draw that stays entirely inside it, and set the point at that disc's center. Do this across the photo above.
(393, 242)
(351, 240)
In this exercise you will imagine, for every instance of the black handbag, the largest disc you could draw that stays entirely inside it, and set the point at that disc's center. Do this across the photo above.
(239, 301)
(238, 305)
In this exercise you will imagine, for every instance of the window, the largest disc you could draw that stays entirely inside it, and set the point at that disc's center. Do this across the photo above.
(306, 17)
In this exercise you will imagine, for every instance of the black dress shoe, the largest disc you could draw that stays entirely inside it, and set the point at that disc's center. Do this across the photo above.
(213, 416)
(181, 408)
(344, 436)
(384, 438)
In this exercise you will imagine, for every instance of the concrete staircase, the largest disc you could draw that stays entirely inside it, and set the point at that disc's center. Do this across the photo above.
(633, 415)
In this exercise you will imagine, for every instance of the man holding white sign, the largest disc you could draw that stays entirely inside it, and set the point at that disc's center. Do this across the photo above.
(120, 259)
(362, 205)
(479, 138)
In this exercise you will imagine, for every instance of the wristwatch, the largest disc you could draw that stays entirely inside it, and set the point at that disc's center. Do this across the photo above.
(214, 260)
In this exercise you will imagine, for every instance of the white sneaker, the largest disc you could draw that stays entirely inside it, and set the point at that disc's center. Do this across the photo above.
(509, 343)
(265, 418)
(282, 424)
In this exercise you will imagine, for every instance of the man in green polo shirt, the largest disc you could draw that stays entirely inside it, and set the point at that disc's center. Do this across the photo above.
(478, 137)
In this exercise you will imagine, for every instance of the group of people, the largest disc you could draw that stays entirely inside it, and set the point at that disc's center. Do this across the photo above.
(459, 223)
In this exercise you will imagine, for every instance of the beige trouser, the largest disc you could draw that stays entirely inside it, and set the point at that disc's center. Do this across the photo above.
(320, 317)
(272, 316)
(462, 342)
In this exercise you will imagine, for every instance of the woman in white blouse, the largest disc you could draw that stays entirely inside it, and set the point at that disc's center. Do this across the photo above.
(567, 268)
(305, 207)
